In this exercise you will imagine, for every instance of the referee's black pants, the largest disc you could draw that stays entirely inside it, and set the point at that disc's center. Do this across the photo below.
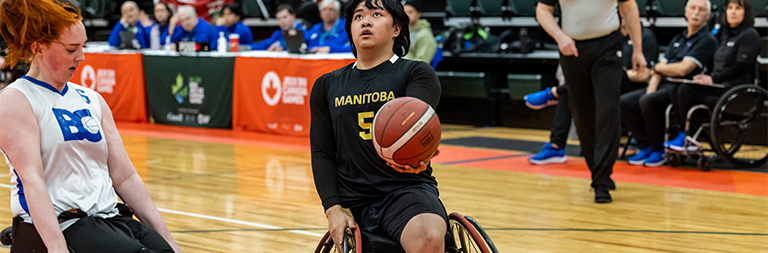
(594, 83)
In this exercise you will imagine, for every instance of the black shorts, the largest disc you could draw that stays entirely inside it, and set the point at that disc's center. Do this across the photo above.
(389, 215)
(90, 234)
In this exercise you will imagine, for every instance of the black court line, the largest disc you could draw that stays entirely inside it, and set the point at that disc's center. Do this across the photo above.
(626, 231)
(498, 229)
(249, 230)
(484, 159)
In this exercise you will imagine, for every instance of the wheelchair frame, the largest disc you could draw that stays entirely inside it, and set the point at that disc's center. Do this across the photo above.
(704, 162)
(465, 230)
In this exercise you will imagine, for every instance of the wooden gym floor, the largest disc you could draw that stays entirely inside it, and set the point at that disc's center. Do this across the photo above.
(227, 191)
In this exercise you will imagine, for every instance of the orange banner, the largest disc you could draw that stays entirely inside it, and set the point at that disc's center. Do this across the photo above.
(271, 95)
(119, 78)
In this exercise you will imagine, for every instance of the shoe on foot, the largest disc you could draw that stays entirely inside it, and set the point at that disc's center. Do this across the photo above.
(540, 99)
(679, 143)
(602, 195)
(656, 159)
(548, 154)
(640, 157)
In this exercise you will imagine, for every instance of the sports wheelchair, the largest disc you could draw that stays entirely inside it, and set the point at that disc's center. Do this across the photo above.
(735, 129)
(468, 236)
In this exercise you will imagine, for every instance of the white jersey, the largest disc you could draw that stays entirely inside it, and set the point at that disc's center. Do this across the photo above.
(73, 150)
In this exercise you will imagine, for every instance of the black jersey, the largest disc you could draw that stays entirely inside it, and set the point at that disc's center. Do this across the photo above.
(346, 167)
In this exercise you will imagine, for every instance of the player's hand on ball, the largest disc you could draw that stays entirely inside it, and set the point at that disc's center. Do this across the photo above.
(415, 170)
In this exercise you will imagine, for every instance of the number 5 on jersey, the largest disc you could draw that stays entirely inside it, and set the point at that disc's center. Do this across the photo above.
(361, 116)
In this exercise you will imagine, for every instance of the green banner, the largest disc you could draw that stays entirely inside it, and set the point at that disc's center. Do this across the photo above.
(190, 91)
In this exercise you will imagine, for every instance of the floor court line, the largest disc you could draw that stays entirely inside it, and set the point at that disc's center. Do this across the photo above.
(253, 224)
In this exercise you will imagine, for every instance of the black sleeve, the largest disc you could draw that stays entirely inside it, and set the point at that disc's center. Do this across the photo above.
(323, 144)
(650, 47)
(423, 84)
(749, 47)
(703, 52)
(548, 2)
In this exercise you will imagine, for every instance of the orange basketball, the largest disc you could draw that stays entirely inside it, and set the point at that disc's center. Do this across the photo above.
(405, 131)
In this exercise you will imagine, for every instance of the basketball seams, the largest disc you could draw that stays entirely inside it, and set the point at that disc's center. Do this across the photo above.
(383, 131)
(408, 135)
(426, 150)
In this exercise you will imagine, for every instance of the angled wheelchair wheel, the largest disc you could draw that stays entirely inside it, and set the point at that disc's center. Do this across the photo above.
(467, 237)
(737, 127)
(352, 245)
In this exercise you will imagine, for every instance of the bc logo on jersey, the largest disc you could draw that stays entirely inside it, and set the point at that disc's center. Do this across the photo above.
(77, 125)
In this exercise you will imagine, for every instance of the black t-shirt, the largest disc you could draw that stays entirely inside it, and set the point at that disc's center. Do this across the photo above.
(736, 57)
(699, 48)
(650, 49)
(346, 167)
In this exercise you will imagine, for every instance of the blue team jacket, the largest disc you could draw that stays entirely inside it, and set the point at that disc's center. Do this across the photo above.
(203, 32)
(336, 38)
(114, 36)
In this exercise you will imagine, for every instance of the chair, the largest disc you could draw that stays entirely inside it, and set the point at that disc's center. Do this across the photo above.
(759, 6)
(491, 8)
(671, 8)
(524, 7)
(458, 8)
(467, 236)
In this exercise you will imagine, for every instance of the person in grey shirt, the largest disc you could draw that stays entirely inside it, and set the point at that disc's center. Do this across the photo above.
(589, 41)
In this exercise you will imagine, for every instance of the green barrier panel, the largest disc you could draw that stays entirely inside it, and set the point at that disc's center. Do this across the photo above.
(190, 91)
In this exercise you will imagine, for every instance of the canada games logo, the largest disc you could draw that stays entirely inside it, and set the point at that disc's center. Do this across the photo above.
(194, 90)
(290, 90)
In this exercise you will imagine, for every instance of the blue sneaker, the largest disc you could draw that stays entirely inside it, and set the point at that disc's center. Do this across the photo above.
(640, 157)
(656, 159)
(547, 155)
(540, 99)
(679, 143)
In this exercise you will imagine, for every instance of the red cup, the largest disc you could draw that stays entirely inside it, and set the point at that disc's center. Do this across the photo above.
(234, 42)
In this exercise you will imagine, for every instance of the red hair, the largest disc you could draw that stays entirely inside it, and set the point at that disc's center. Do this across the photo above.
(23, 22)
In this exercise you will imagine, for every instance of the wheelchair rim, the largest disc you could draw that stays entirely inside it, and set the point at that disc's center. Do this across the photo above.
(467, 235)
(729, 128)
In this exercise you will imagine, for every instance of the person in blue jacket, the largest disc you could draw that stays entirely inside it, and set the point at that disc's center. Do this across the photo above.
(129, 22)
(191, 28)
(162, 19)
(230, 22)
(286, 19)
(328, 36)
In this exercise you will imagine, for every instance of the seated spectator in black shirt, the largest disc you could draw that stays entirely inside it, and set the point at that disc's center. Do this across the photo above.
(129, 22)
(688, 54)
(735, 61)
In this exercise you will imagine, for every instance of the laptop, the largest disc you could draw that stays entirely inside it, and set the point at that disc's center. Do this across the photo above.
(128, 40)
(294, 41)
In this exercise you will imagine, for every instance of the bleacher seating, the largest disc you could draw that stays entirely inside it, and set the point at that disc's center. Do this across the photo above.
(671, 8)
(521, 84)
(524, 7)
(458, 8)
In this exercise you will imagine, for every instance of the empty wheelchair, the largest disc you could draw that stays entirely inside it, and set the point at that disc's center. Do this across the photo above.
(735, 129)
(467, 235)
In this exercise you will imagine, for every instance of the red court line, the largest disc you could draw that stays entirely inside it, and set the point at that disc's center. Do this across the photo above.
(718, 180)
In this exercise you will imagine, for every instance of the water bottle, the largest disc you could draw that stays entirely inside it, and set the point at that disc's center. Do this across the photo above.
(167, 46)
(221, 43)
(154, 38)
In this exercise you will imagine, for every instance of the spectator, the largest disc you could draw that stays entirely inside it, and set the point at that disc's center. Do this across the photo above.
(162, 13)
(129, 21)
(66, 157)
(423, 44)
(734, 64)
(688, 54)
(230, 22)
(328, 36)
(286, 19)
(193, 28)
(554, 150)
